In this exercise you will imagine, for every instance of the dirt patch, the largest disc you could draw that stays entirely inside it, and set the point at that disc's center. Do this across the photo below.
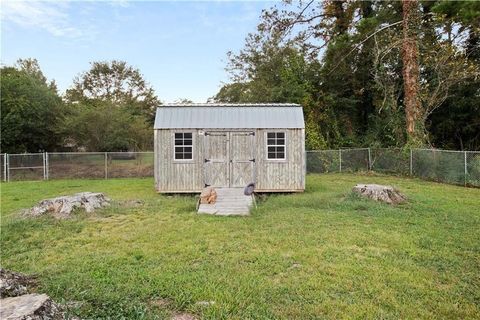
(184, 316)
(161, 303)
(134, 203)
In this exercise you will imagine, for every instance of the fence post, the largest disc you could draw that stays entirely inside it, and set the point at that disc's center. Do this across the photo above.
(465, 169)
(4, 167)
(8, 167)
(369, 166)
(46, 165)
(44, 170)
(106, 164)
(340, 156)
(411, 162)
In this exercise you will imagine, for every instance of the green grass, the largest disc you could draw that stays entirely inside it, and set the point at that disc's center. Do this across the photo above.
(321, 254)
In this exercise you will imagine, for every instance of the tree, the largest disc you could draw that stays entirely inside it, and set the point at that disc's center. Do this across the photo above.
(103, 127)
(456, 124)
(411, 71)
(375, 72)
(32, 111)
(117, 83)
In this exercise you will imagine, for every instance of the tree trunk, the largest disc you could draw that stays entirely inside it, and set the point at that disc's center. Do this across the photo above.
(411, 73)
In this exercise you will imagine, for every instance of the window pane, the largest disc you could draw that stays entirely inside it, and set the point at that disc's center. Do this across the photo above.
(271, 135)
(280, 155)
(270, 141)
(183, 143)
(281, 135)
(179, 156)
(271, 155)
(281, 141)
(271, 149)
(280, 149)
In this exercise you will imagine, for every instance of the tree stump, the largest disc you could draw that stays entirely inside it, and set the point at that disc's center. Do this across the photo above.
(30, 306)
(387, 194)
(14, 284)
(62, 207)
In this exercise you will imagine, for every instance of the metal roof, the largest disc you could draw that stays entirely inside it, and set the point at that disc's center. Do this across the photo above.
(229, 116)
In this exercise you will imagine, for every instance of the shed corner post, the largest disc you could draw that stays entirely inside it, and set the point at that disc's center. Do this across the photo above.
(465, 169)
(155, 158)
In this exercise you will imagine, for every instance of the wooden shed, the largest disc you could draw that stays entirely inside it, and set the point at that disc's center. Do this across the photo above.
(229, 145)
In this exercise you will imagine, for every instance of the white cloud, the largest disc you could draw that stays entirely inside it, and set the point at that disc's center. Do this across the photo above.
(50, 16)
(120, 3)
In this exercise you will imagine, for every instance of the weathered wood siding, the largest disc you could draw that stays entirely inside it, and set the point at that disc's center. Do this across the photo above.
(281, 175)
(270, 175)
(178, 175)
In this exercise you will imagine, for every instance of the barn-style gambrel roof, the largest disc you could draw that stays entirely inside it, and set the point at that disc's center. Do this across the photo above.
(230, 116)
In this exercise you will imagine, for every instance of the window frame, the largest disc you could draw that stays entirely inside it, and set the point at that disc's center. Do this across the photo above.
(174, 146)
(276, 145)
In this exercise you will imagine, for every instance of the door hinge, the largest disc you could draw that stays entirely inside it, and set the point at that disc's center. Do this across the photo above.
(252, 160)
(206, 160)
(206, 185)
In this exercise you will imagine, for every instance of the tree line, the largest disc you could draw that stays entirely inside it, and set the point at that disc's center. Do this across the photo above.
(367, 73)
(108, 108)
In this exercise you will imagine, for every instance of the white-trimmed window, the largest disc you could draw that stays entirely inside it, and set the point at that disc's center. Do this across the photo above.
(183, 145)
(276, 145)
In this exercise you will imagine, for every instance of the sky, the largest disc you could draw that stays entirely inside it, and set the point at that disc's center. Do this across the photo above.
(180, 47)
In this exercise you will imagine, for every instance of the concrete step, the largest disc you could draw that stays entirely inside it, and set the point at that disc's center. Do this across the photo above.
(230, 201)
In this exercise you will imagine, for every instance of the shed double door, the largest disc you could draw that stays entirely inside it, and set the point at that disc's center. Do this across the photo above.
(229, 158)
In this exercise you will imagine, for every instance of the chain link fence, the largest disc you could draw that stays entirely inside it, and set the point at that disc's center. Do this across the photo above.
(454, 167)
(76, 165)
(24, 166)
(3, 167)
(391, 161)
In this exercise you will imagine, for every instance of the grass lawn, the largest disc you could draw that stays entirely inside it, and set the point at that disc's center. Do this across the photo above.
(321, 254)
